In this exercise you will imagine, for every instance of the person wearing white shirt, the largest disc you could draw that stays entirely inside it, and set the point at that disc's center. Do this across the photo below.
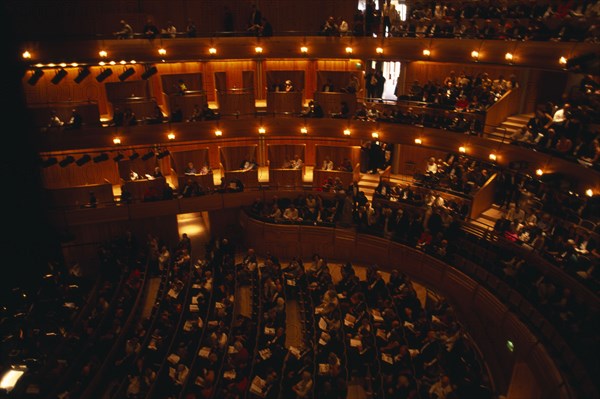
(291, 213)
(327, 164)
(297, 162)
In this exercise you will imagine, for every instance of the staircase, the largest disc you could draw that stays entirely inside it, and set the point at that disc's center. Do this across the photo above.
(511, 125)
(369, 182)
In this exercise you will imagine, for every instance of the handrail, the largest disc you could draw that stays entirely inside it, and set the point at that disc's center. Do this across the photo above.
(506, 106)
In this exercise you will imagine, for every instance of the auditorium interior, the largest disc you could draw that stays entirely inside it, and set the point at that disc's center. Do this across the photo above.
(386, 199)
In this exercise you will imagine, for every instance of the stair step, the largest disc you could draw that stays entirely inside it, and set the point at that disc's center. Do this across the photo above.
(516, 124)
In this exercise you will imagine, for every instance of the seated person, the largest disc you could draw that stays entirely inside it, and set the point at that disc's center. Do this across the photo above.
(344, 111)
(352, 86)
(314, 110)
(327, 164)
(190, 169)
(54, 121)
(346, 166)
(208, 114)
(296, 163)
(157, 172)
(76, 120)
(328, 86)
(205, 169)
(196, 114)
(288, 87)
(248, 165)
(133, 175)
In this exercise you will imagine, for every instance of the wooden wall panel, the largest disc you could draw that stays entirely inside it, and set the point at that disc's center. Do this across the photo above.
(56, 176)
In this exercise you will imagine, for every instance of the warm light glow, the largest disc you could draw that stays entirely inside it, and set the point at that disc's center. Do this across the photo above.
(379, 50)
(375, 135)
(102, 63)
(132, 61)
(261, 130)
(493, 156)
(51, 65)
(162, 51)
(426, 52)
(418, 141)
(349, 50)
(116, 140)
(589, 192)
(258, 50)
(123, 62)
(475, 54)
(39, 65)
(10, 379)
(303, 130)
(462, 149)
(508, 56)
(304, 49)
(112, 63)
(26, 54)
(346, 132)
(212, 50)
(63, 64)
(74, 64)
(171, 136)
(562, 61)
(539, 172)
(218, 133)
(103, 53)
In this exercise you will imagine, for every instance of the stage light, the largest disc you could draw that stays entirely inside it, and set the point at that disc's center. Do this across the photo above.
(104, 74)
(148, 155)
(118, 157)
(67, 161)
(134, 155)
(101, 157)
(163, 154)
(35, 76)
(149, 72)
(49, 162)
(83, 73)
(426, 52)
(83, 160)
(347, 132)
(60, 74)
(126, 74)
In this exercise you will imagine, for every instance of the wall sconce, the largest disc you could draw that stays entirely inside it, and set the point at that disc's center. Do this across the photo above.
(258, 50)
(508, 57)
(261, 130)
(375, 135)
(303, 130)
(171, 136)
(116, 141)
(218, 133)
(26, 55)
(589, 192)
(462, 149)
(426, 52)
(162, 51)
(347, 132)
(304, 49)
(379, 50)
(475, 55)
(562, 61)
(493, 157)
(103, 53)
(418, 141)
(212, 50)
(349, 50)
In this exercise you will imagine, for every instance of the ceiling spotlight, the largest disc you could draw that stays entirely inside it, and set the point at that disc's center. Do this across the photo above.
(67, 161)
(462, 149)
(104, 74)
(347, 132)
(126, 74)
(418, 141)
(35, 76)
(493, 156)
(118, 157)
(261, 130)
(475, 54)
(83, 73)
(60, 74)
(116, 140)
(349, 50)
(379, 50)
(218, 133)
(303, 130)
(83, 160)
(426, 52)
(212, 50)
(508, 56)
(163, 154)
(304, 49)
(101, 157)
(49, 162)
(149, 72)
(148, 155)
(375, 135)
(134, 155)
(171, 136)
(258, 50)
